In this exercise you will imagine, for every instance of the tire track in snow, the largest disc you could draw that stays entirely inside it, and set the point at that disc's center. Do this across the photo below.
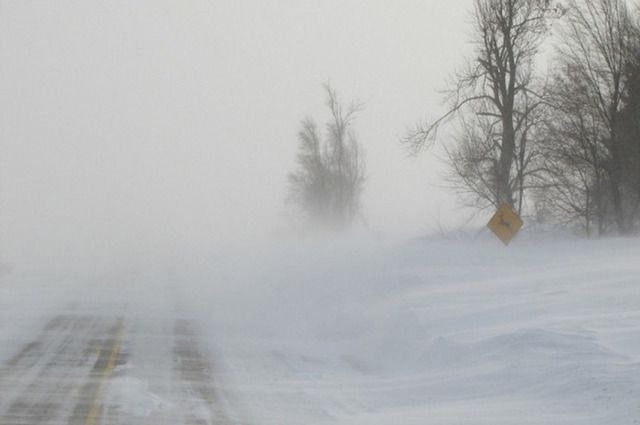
(195, 373)
(41, 381)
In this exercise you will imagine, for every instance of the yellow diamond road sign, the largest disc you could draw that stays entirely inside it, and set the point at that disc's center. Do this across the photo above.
(505, 223)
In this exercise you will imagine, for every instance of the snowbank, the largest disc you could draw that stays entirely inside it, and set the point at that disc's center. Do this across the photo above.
(429, 331)
(366, 332)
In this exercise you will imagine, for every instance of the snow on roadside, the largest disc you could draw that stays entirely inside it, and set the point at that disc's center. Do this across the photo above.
(430, 332)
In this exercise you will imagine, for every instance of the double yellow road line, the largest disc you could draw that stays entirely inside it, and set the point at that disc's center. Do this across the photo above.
(104, 375)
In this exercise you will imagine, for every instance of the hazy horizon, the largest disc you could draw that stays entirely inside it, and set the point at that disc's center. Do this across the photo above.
(129, 126)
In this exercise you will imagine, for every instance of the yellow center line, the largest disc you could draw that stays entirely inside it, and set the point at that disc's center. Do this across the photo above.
(105, 375)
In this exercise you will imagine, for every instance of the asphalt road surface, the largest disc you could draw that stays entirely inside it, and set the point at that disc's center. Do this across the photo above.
(82, 369)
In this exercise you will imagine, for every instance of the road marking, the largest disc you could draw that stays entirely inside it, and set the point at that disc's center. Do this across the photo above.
(105, 375)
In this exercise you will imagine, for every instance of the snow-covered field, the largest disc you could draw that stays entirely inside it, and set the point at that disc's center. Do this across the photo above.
(431, 332)
(365, 332)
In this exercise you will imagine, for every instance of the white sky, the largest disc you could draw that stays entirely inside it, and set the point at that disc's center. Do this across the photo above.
(129, 124)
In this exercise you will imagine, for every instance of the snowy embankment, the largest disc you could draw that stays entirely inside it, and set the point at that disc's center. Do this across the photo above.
(430, 332)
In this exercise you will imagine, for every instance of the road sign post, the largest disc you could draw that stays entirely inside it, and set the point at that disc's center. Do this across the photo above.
(505, 223)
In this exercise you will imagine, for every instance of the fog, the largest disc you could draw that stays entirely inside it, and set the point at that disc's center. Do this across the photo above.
(133, 128)
(144, 153)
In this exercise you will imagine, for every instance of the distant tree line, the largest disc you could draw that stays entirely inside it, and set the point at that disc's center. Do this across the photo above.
(562, 146)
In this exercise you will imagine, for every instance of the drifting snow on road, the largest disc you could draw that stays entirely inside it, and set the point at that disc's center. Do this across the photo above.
(430, 332)
(88, 369)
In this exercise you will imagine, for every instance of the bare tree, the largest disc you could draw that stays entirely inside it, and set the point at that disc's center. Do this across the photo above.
(629, 133)
(596, 46)
(474, 160)
(497, 86)
(572, 181)
(328, 183)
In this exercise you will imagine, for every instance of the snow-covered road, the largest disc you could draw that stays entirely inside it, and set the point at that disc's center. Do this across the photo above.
(79, 367)
(428, 332)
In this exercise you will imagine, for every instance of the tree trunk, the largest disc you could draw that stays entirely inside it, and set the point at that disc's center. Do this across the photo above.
(507, 152)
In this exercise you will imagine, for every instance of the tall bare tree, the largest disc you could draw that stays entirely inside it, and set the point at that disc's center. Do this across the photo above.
(572, 184)
(498, 85)
(629, 132)
(328, 183)
(594, 53)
